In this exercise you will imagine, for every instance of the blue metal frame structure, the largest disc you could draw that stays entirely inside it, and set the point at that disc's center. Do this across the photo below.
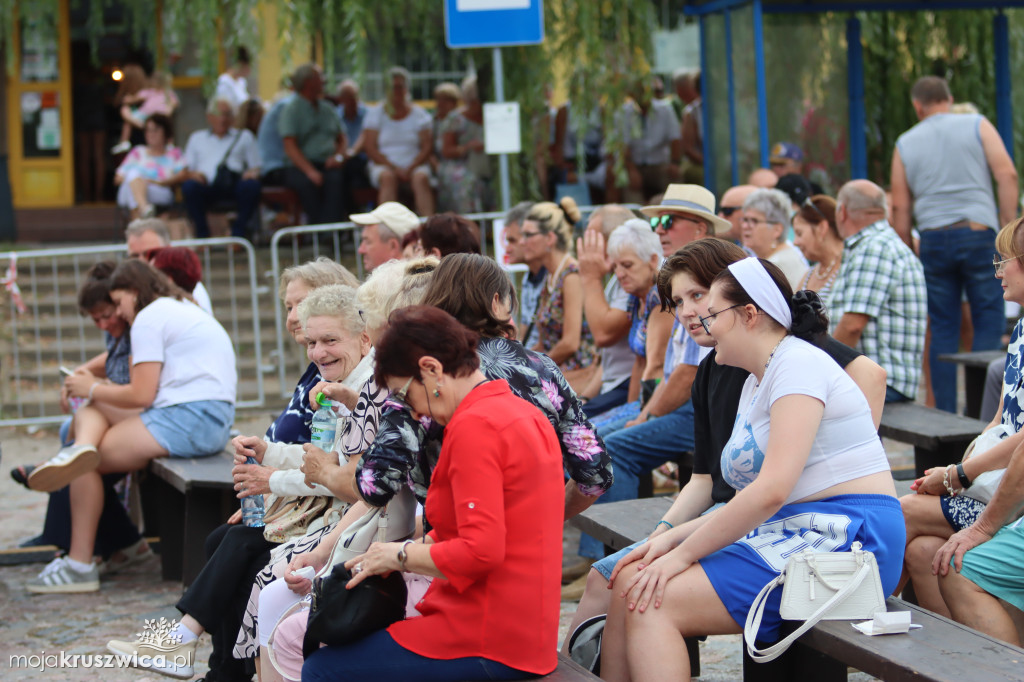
(855, 66)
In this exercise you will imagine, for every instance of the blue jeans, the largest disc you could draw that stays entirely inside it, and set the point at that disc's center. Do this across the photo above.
(634, 452)
(380, 658)
(894, 396)
(957, 261)
(607, 400)
(199, 196)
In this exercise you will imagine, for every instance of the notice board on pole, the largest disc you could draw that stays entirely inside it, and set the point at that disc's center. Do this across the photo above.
(493, 23)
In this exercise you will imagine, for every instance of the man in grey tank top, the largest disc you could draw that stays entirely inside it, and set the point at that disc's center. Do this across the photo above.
(942, 171)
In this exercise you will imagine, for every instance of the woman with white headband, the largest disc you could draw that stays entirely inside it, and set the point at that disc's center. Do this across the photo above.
(809, 471)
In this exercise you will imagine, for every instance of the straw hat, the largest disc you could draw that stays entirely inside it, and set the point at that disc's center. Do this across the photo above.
(690, 200)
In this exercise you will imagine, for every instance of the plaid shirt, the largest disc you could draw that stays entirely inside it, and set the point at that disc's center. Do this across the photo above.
(882, 278)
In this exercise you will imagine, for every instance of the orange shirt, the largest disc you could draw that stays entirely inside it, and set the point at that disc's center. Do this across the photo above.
(496, 502)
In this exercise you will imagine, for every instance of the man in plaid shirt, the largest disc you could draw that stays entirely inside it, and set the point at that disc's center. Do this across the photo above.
(879, 302)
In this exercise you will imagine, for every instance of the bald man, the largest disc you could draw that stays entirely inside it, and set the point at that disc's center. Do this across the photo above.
(764, 178)
(731, 208)
(879, 302)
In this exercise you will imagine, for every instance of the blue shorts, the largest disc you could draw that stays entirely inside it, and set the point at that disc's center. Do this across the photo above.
(995, 565)
(606, 565)
(738, 572)
(191, 429)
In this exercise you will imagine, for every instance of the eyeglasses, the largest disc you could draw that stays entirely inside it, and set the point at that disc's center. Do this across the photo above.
(362, 316)
(665, 221)
(810, 204)
(727, 211)
(399, 396)
(1000, 265)
(756, 221)
(706, 321)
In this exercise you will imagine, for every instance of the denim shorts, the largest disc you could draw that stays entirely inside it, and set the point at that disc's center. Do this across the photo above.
(191, 429)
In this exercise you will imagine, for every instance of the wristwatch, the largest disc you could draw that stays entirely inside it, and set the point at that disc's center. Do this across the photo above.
(403, 556)
(340, 158)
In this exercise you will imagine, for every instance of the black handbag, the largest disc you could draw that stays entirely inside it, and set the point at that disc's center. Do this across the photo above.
(338, 615)
(225, 179)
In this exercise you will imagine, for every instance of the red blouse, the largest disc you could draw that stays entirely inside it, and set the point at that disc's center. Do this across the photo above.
(496, 502)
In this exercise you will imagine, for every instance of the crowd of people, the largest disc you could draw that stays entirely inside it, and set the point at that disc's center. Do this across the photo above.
(763, 334)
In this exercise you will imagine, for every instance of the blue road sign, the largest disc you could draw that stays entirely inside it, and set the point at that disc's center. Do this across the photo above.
(493, 23)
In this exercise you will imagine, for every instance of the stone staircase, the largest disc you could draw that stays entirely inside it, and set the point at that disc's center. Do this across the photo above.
(34, 345)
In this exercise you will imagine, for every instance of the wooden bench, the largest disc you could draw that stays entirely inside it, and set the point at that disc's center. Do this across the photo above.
(975, 371)
(941, 650)
(195, 496)
(939, 438)
(569, 670)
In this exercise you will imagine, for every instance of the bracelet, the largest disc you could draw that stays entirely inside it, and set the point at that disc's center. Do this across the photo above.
(403, 556)
(661, 522)
(945, 481)
(91, 389)
(962, 475)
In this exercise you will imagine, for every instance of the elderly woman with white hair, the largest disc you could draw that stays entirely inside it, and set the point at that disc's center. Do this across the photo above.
(465, 170)
(635, 253)
(763, 228)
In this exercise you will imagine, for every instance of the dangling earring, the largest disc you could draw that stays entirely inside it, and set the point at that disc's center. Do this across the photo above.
(437, 393)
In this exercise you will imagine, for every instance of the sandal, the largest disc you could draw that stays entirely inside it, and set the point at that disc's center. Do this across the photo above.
(21, 473)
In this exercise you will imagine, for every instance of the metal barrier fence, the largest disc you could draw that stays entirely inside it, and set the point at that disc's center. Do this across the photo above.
(307, 242)
(52, 333)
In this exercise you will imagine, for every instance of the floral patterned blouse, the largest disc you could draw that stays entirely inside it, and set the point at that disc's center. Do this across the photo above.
(406, 450)
(638, 326)
(1013, 381)
(551, 318)
(152, 167)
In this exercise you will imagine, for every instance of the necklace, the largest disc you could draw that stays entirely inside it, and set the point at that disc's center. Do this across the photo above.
(829, 271)
(553, 277)
(769, 361)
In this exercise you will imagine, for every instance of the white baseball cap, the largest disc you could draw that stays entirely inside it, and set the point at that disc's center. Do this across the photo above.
(392, 215)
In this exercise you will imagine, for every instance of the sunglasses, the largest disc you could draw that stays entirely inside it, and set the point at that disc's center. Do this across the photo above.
(665, 221)
(810, 204)
(727, 211)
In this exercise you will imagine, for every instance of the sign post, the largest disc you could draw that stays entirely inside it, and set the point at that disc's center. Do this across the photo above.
(494, 23)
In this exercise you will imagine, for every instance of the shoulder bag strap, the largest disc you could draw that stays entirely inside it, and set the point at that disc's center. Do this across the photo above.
(224, 160)
(756, 613)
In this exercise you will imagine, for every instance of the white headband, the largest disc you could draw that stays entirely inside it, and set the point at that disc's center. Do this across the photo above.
(762, 289)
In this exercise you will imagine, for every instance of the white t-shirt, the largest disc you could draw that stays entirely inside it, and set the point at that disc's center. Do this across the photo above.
(197, 355)
(846, 445)
(616, 360)
(202, 298)
(398, 141)
(235, 90)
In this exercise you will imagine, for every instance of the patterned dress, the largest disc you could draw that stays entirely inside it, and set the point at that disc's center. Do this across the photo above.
(463, 183)
(406, 450)
(962, 511)
(360, 430)
(550, 320)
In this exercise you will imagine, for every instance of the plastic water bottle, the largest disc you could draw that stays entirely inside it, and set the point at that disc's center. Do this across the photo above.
(252, 506)
(324, 427)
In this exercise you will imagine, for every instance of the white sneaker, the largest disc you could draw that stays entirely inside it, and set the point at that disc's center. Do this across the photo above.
(159, 650)
(59, 577)
(121, 147)
(69, 463)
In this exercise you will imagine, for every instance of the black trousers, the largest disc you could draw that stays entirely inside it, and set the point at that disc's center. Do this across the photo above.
(218, 596)
(323, 204)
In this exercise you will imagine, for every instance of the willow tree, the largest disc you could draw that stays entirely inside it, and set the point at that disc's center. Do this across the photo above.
(598, 46)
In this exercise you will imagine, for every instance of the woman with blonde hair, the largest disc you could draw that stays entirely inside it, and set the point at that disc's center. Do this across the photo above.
(465, 170)
(563, 333)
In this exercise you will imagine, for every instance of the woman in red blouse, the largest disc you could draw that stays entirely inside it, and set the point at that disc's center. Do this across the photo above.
(495, 504)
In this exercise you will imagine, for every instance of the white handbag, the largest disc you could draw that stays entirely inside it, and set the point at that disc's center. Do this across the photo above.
(391, 523)
(818, 586)
(983, 487)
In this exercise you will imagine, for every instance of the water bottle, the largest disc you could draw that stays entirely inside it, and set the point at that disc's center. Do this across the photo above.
(324, 427)
(252, 506)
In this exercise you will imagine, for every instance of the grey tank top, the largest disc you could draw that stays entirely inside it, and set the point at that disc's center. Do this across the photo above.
(947, 171)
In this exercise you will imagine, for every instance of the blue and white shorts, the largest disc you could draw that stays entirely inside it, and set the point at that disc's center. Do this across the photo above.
(191, 429)
(739, 572)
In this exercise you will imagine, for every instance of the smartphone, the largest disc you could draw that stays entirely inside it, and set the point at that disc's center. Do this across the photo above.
(65, 371)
